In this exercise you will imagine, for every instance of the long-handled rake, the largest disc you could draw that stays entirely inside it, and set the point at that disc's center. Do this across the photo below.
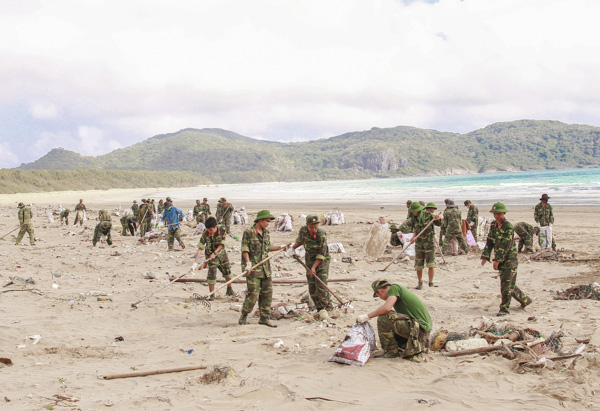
(342, 303)
(204, 299)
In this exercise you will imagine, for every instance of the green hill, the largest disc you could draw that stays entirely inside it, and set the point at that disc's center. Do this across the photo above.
(221, 156)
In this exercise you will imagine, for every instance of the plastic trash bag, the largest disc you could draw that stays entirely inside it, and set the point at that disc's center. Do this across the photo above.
(357, 347)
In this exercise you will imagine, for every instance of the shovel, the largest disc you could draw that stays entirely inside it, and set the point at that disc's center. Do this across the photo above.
(2, 238)
(342, 303)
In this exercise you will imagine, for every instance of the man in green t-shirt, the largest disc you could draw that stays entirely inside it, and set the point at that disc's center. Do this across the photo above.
(402, 321)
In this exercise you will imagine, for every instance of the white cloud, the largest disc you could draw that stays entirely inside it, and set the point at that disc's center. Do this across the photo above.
(309, 69)
(8, 158)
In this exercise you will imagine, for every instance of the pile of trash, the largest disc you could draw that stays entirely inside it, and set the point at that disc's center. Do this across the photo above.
(333, 218)
(284, 223)
(531, 348)
(580, 292)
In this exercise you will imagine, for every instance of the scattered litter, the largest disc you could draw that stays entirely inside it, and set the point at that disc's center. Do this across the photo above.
(278, 344)
(580, 292)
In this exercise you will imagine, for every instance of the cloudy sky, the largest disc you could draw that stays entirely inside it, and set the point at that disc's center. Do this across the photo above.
(92, 76)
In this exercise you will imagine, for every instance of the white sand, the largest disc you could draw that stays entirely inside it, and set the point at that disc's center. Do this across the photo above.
(78, 331)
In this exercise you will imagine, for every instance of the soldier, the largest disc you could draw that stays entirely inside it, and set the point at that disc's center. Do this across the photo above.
(161, 206)
(452, 227)
(472, 218)
(256, 244)
(135, 207)
(64, 214)
(526, 232)
(501, 240)
(197, 211)
(212, 242)
(402, 321)
(128, 223)
(544, 216)
(224, 214)
(103, 228)
(317, 259)
(25, 215)
(396, 237)
(153, 206)
(204, 210)
(149, 215)
(141, 216)
(79, 210)
(425, 244)
(173, 215)
(408, 203)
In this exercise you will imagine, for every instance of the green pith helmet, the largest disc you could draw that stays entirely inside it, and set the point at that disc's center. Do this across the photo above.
(431, 205)
(377, 284)
(393, 227)
(312, 219)
(467, 202)
(408, 202)
(205, 199)
(134, 201)
(223, 199)
(536, 230)
(21, 205)
(415, 206)
(498, 208)
(197, 201)
(264, 214)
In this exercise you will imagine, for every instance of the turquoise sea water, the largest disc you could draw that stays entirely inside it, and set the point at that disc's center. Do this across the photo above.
(579, 186)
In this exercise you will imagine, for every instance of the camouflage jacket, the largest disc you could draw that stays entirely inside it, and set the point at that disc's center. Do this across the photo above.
(160, 208)
(65, 212)
(421, 222)
(395, 240)
(524, 230)
(144, 213)
(205, 209)
(452, 221)
(79, 207)
(543, 215)
(501, 240)
(258, 248)
(224, 212)
(197, 209)
(209, 243)
(407, 226)
(315, 245)
(25, 215)
(134, 208)
(472, 214)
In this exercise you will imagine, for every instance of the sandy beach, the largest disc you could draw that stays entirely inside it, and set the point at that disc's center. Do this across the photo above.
(80, 319)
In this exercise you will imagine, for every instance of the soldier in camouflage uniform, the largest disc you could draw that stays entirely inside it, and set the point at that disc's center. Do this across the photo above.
(224, 213)
(25, 215)
(103, 228)
(395, 239)
(135, 207)
(402, 321)
(204, 209)
(161, 206)
(501, 240)
(425, 244)
(212, 242)
(317, 259)
(64, 214)
(149, 215)
(544, 216)
(196, 212)
(256, 244)
(408, 203)
(79, 210)
(452, 228)
(128, 222)
(141, 216)
(472, 218)
(526, 232)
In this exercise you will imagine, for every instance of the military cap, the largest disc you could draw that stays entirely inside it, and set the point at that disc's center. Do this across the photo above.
(264, 214)
(446, 200)
(393, 227)
(223, 199)
(498, 208)
(467, 202)
(430, 205)
(21, 205)
(545, 197)
(81, 200)
(134, 201)
(378, 284)
(312, 219)
(197, 201)
(450, 204)
(408, 202)
(205, 199)
(415, 206)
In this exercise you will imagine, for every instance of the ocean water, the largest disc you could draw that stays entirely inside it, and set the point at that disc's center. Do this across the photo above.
(578, 186)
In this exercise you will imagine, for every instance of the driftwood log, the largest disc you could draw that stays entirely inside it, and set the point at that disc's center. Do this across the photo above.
(145, 373)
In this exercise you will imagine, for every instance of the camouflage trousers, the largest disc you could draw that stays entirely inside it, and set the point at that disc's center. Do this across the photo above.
(261, 288)
(148, 225)
(222, 264)
(200, 218)
(459, 237)
(102, 229)
(143, 228)
(424, 255)
(527, 242)
(399, 331)
(172, 235)
(66, 218)
(127, 226)
(474, 231)
(508, 287)
(317, 291)
(227, 223)
(25, 228)
(78, 218)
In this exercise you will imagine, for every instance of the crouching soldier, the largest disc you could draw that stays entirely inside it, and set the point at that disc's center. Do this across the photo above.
(103, 228)
(213, 244)
(403, 321)
(396, 237)
(526, 232)
(128, 223)
(64, 215)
